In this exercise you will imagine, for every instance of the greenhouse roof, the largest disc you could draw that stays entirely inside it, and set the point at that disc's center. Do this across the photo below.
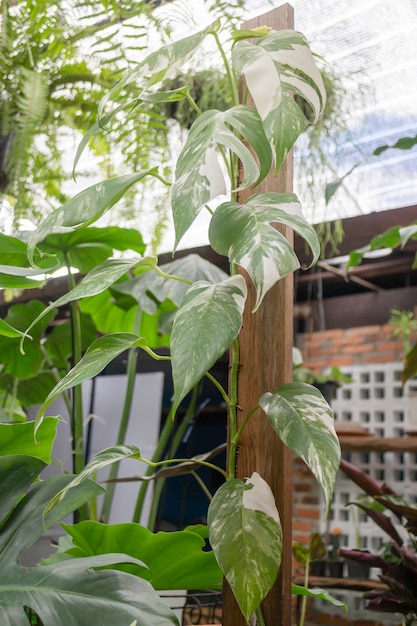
(372, 46)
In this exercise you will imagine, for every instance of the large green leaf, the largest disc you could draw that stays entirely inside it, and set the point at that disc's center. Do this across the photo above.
(191, 267)
(246, 537)
(17, 473)
(101, 352)
(86, 207)
(207, 322)
(18, 282)
(198, 176)
(31, 314)
(20, 439)
(96, 281)
(71, 592)
(176, 560)
(14, 258)
(276, 67)
(66, 593)
(304, 421)
(85, 248)
(244, 233)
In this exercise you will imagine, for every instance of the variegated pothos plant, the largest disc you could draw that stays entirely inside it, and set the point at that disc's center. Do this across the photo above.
(244, 525)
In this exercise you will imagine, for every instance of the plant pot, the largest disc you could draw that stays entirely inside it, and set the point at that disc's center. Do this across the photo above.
(357, 570)
(318, 568)
(335, 568)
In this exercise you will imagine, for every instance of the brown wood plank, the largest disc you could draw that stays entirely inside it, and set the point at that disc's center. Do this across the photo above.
(352, 584)
(266, 363)
(350, 443)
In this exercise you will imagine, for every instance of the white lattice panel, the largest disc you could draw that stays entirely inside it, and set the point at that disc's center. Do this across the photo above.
(377, 401)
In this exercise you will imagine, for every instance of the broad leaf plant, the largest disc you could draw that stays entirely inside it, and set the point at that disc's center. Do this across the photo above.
(206, 306)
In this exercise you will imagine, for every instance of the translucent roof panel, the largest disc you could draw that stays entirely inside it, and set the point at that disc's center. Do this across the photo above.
(372, 46)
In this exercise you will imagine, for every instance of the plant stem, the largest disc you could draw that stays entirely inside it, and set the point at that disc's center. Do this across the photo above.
(124, 421)
(162, 443)
(259, 617)
(77, 421)
(178, 437)
(304, 598)
(232, 408)
(202, 485)
(229, 73)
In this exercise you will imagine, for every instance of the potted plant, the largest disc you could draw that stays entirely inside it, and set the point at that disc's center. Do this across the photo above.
(243, 523)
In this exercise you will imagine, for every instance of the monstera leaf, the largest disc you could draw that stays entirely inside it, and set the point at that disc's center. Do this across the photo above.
(245, 234)
(199, 177)
(209, 319)
(246, 537)
(66, 593)
(275, 68)
(176, 560)
(304, 421)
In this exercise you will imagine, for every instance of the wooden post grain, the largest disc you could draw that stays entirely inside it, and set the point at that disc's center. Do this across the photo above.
(266, 363)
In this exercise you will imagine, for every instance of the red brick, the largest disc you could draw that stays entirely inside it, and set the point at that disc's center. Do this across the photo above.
(380, 358)
(307, 513)
(302, 526)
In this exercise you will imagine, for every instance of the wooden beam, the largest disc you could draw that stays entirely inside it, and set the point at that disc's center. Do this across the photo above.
(266, 363)
(350, 443)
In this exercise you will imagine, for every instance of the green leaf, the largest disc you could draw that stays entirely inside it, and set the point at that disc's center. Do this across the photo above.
(86, 207)
(8, 331)
(198, 176)
(404, 143)
(246, 537)
(37, 317)
(319, 594)
(391, 238)
(304, 421)
(98, 462)
(407, 232)
(17, 473)
(410, 365)
(101, 352)
(85, 248)
(276, 67)
(207, 322)
(96, 281)
(20, 439)
(244, 233)
(70, 591)
(16, 282)
(73, 591)
(175, 560)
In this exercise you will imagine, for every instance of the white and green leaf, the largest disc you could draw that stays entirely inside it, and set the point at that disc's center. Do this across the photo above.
(245, 234)
(275, 68)
(86, 207)
(246, 537)
(99, 354)
(199, 177)
(304, 421)
(102, 459)
(159, 65)
(96, 281)
(207, 322)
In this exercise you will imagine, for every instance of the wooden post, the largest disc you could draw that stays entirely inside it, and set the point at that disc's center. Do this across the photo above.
(266, 363)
